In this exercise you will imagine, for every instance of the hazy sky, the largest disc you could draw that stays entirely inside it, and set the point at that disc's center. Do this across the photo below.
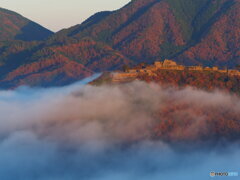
(58, 14)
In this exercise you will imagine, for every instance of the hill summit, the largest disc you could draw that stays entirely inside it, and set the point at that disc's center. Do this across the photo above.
(13, 26)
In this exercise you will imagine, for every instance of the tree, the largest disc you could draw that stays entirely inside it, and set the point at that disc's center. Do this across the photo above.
(125, 68)
(238, 67)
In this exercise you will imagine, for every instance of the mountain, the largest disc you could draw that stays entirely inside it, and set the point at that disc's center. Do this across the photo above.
(192, 31)
(16, 27)
(205, 32)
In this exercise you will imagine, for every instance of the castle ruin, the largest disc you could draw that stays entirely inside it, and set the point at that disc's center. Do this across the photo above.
(167, 64)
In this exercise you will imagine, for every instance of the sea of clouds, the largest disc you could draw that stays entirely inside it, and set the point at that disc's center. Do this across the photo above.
(83, 132)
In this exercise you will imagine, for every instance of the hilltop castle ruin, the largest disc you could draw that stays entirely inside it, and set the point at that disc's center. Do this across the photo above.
(167, 64)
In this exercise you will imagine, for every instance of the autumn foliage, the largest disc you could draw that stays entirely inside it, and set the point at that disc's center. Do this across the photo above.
(200, 79)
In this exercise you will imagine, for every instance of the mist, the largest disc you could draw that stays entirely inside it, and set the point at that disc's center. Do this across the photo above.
(117, 132)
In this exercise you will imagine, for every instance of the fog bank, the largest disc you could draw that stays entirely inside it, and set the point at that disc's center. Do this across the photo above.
(115, 132)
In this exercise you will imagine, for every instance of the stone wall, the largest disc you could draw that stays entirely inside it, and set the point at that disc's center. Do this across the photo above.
(168, 65)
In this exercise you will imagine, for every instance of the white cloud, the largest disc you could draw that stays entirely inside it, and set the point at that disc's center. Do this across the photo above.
(106, 133)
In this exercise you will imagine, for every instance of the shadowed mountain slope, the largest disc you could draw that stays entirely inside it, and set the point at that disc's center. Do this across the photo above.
(146, 30)
(15, 27)
(205, 32)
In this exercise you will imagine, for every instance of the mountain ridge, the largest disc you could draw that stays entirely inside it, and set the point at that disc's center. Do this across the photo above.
(14, 26)
(193, 32)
